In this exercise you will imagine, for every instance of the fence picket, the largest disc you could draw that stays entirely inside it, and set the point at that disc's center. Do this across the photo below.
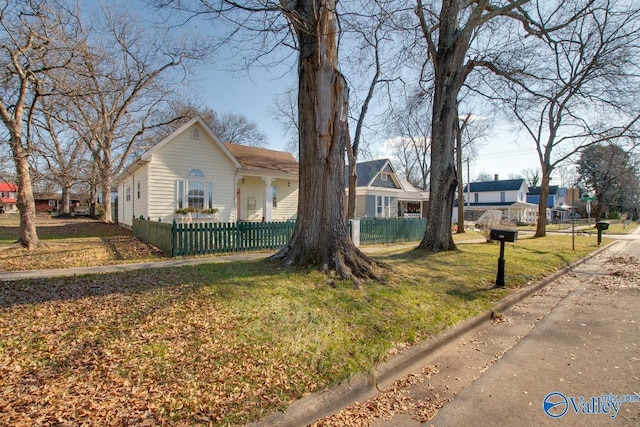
(206, 238)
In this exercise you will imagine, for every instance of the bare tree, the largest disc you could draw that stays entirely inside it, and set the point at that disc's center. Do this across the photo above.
(285, 113)
(33, 42)
(122, 82)
(531, 176)
(571, 88)
(229, 127)
(320, 237)
(59, 148)
(469, 131)
(449, 34)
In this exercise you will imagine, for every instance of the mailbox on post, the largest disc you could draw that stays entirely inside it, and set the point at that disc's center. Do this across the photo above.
(601, 226)
(502, 236)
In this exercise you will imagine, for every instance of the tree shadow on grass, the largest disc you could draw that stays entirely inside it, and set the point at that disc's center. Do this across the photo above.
(470, 294)
(242, 274)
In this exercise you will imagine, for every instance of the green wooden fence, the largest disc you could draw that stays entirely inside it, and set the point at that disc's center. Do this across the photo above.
(210, 238)
(391, 230)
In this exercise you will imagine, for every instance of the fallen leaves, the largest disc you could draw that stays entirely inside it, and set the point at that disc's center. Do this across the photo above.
(95, 350)
(393, 400)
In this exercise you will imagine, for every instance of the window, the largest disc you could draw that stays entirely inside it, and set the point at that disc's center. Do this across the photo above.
(502, 197)
(127, 193)
(274, 196)
(476, 197)
(194, 192)
(383, 176)
(52, 203)
(138, 190)
(195, 133)
(382, 206)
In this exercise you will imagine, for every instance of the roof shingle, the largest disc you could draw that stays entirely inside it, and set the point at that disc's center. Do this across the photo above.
(262, 159)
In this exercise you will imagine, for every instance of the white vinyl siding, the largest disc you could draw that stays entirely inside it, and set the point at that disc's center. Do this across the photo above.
(172, 164)
(287, 194)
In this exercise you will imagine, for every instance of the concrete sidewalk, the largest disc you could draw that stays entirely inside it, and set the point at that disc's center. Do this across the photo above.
(588, 346)
(578, 337)
(116, 268)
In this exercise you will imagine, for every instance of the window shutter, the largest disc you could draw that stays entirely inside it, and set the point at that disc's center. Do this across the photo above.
(209, 203)
(180, 193)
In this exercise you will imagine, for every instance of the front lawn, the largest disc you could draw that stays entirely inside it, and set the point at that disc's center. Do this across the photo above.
(227, 343)
(71, 242)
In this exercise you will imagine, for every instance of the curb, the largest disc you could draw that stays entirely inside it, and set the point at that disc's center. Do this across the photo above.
(318, 405)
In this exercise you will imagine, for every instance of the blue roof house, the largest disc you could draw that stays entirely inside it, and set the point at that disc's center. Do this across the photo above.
(508, 196)
(556, 201)
(381, 193)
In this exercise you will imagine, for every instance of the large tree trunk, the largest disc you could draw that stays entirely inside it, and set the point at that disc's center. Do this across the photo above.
(450, 73)
(320, 237)
(106, 200)
(541, 227)
(28, 237)
(65, 209)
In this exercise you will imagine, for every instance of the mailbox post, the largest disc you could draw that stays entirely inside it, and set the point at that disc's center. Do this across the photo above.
(601, 225)
(502, 236)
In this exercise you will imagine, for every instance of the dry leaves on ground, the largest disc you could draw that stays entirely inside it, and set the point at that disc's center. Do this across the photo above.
(133, 349)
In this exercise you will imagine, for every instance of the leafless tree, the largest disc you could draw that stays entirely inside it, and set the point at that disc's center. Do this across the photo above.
(62, 157)
(449, 34)
(123, 79)
(575, 85)
(469, 131)
(411, 145)
(320, 237)
(531, 176)
(229, 127)
(34, 38)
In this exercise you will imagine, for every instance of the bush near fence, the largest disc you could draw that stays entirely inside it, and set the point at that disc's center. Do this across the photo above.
(176, 239)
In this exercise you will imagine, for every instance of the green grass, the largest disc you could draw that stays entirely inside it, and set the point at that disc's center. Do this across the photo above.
(232, 342)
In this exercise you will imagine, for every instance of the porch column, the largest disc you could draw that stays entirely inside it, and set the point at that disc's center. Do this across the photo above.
(268, 195)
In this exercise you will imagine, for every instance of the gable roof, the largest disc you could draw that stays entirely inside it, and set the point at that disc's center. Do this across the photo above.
(501, 185)
(262, 159)
(147, 155)
(8, 186)
(367, 171)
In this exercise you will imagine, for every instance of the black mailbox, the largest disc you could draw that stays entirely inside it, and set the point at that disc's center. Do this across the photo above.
(601, 226)
(504, 235)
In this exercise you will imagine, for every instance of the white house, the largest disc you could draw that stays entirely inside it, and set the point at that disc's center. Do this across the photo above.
(381, 193)
(192, 171)
(508, 196)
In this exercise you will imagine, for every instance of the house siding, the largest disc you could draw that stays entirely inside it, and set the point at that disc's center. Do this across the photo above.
(287, 192)
(176, 159)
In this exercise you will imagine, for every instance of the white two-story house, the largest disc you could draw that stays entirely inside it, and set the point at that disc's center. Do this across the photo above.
(508, 196)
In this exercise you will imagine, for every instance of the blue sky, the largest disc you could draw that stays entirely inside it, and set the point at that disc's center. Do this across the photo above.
(253, 94)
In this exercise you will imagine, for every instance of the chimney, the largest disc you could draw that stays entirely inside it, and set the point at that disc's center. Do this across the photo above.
(495, 177)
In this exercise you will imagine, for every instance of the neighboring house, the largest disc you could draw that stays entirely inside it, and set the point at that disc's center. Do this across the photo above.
(381, 193)
(557, 208)
(52, 202)
(192, 170)
(8, 197)
(507, 196)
